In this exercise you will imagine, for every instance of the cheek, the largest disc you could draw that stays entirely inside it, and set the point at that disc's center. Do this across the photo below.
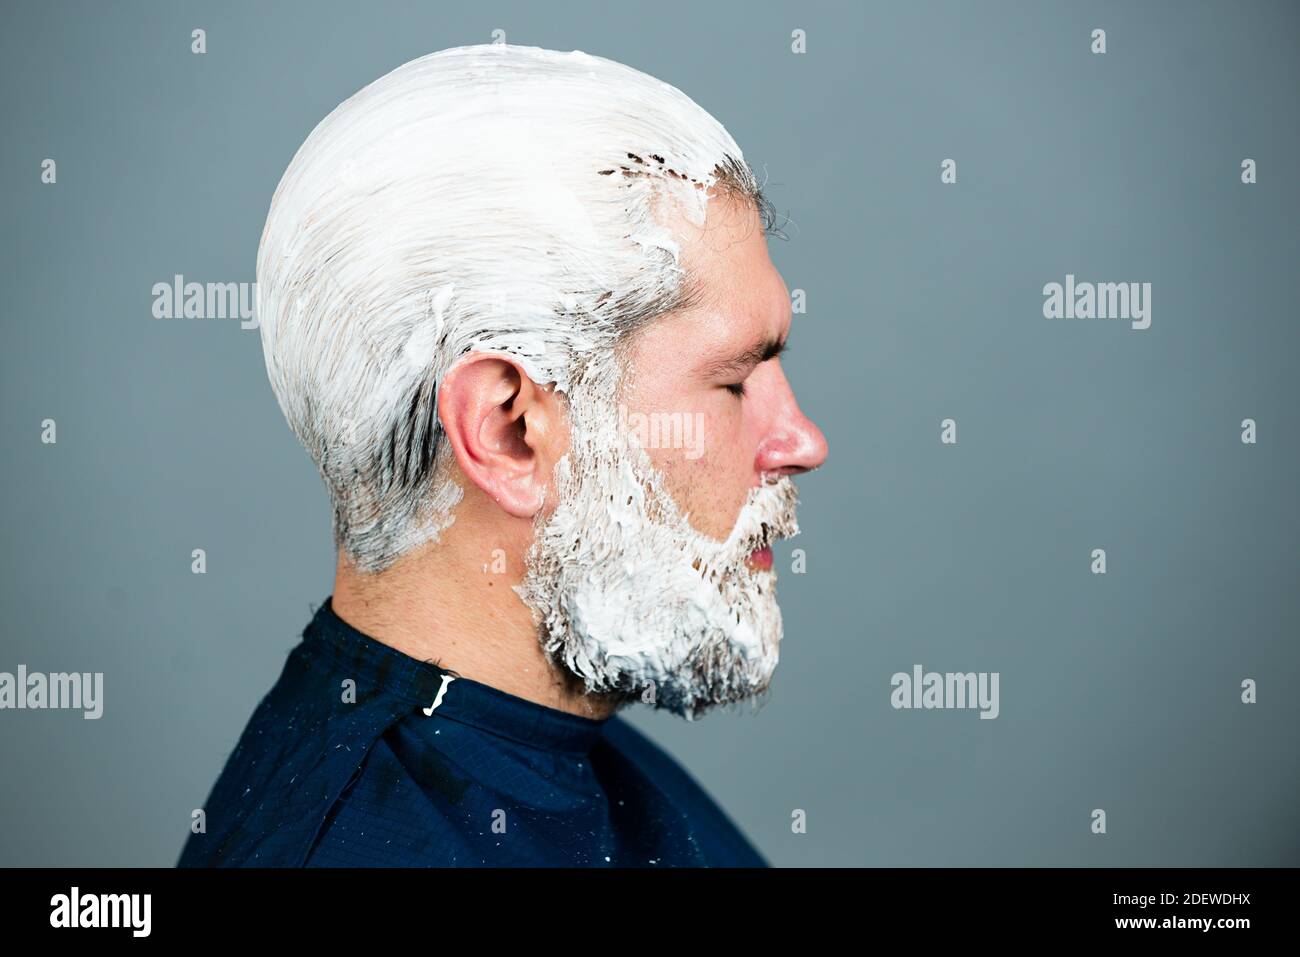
(710, 479)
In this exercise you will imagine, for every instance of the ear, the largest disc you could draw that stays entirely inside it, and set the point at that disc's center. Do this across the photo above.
(503, 429)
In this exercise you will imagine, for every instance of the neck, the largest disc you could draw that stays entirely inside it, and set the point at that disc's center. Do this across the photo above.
(445, 604)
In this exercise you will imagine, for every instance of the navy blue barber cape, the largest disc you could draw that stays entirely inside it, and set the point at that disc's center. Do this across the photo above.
(486, 779)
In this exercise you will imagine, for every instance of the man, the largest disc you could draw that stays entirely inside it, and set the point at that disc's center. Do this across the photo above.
(518, 306)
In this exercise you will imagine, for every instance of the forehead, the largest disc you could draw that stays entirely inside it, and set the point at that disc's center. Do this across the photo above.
(727, 255)
(740, 296)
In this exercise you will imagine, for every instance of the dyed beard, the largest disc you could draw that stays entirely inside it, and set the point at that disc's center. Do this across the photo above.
(632, 600)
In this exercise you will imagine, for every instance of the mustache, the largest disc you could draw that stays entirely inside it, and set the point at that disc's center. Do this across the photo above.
(769, 514)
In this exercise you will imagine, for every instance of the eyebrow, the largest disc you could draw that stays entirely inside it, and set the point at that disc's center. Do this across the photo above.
(755, 354)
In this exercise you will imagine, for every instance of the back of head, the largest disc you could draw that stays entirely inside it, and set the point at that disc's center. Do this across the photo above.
(483, 198)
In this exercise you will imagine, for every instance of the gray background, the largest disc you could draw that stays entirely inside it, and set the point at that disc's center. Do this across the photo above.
(1118, 692)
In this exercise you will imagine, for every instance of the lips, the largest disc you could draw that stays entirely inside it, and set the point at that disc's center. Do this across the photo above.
(761, 558)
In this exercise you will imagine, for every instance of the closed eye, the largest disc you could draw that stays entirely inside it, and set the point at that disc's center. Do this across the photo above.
(738, 388)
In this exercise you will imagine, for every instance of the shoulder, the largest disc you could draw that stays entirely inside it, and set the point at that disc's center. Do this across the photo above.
(723, 842)
(303, 746)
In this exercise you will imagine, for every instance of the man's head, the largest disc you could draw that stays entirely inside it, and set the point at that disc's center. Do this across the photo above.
(524, 290)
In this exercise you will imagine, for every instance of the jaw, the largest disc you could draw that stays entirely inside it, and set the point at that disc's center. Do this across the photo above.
(631, 598)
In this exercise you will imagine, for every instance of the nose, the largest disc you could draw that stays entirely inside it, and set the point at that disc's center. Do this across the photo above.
(793, 443)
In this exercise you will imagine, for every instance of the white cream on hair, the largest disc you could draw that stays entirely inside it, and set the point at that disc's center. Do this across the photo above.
(492, 198)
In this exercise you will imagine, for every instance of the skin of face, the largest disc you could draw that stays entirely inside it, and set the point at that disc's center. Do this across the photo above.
(693, 365)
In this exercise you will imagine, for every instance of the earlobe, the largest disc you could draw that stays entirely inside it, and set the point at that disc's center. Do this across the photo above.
(497, 421)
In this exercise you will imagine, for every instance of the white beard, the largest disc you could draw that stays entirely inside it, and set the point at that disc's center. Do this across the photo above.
(630, 598)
